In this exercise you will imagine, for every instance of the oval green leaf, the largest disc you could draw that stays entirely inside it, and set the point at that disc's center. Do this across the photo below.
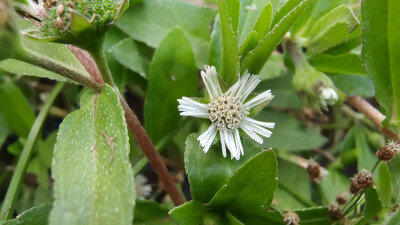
(250, 187)
(173, 74)
(91, 168)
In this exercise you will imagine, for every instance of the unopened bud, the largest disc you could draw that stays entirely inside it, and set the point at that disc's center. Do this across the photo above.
(334, 211)
(388, 152)
(342, 198)
(291, 218)
(361, 181)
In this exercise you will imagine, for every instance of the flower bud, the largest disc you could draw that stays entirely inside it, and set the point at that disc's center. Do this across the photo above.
(388, 152)
(79, 22)
(361, 181)
(291, 218)
(316, 88)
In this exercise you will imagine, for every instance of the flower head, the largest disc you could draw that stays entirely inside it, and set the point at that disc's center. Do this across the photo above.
(77, 22)
(228, 112)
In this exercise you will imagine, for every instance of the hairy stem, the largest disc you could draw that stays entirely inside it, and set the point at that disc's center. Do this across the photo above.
(12, 192)
(102, 65)
(371, 113)
(151, 153)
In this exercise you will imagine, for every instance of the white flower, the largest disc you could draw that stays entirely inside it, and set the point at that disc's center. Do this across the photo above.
(228, 112)
(328, 96)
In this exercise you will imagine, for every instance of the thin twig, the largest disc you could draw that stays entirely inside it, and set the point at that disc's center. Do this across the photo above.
(371, 113)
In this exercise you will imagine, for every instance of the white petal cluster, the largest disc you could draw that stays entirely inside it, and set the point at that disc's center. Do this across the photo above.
(228, 112)
(328, 96)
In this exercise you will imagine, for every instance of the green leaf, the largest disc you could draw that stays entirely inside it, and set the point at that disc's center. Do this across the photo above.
(288, 128)
(150, 212)
(383, 183)
(333, 184)
(22, 68)
(395, 175)
(189, 213)
(289, 196)
(230, 55)
(91, 168)
(57, 53)
(250, 13)
(209, 171)
(332, 29)
(264, 21)
(314, 216)
(128, 53)
(381, 49)
(264, 216)
(372, 206)
(284, 11)
(256, 59)
(215, 54)
(233, 7)
(354, 84)
(151, 21)
(35, 216)
(250, 187)
(249, 44)
(173, 74)
(15, 109)
(310, 15)
(366, 159)
(349, 63)
(393, 219)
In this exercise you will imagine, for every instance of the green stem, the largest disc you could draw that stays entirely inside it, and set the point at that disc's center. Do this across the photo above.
(159, 146)
(102, 64)
(355, 203)
(12, 193)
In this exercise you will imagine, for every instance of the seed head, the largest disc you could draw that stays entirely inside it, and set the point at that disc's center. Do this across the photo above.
(342, 198)
(334, 211)
(388, 152)
(361, 181)
(315, 171)
(291, 218)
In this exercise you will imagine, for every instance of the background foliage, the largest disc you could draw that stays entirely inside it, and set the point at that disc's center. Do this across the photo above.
(90, 170)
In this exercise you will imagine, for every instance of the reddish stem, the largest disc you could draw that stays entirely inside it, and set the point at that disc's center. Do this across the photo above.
(371, 113)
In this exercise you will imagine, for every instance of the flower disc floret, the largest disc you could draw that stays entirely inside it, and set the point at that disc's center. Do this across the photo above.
(226, 112)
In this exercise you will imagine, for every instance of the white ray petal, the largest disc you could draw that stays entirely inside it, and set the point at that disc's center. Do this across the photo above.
(264, 124)
(221, 136)
(251, 133)
(259, 130)
(238, 142)
(263, 97)
(249, 87)
(203, 138)
(210, 79)
(210, 141)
